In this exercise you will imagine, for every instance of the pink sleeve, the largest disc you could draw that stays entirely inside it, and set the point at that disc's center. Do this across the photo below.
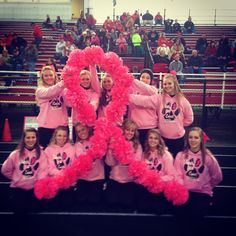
(43, 167)
(178, 167)
(95, 100)
(215, 171)
(9, 165)
(94, 80)
(169, 170)
(143, 88)
(145, 101)
(50, 92)
(110, 160)
(187, 113)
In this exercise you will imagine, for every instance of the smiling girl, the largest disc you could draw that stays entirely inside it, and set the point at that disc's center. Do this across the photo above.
(174, 112)
(24, 167)
(50, 97)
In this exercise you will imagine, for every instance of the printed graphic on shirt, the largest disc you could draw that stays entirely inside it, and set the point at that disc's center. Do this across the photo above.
(193, 168)
(56, 103)
(154, 164)
(170, 111)
(61, 160)
(29, 166)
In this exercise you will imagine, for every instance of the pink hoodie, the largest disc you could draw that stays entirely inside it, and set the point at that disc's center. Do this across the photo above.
(53, 111)
(120, 172)
(97, 171)
(162, 164)
(145, 118)
(93, 99)
(58, 157)
(194, 175)
(172, 117)
(26, 170)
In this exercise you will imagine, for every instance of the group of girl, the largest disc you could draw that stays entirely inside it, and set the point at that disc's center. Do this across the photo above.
(160, 119)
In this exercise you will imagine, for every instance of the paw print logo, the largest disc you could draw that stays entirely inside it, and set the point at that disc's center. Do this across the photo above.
(61, 160)
(154, 164)
(57, 102)
(193, 168)
(170, 111)
(28, 166)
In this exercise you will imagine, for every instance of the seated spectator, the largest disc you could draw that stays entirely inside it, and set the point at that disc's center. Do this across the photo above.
(5, 64)
(59, 23)
(108, 24)
(161, 58)
(38, 34)
(189, 26)
(176, 28)
(210, 54)
(118, 25)
(147, 18)
(201, 44)
(168, 25)
(123, 19)
(195, 63)
(177, 48)
(153, 37)
(60, 46)
(94, 39)
(158, 19)
(18, 42)
(177, 66)
(162, 39)
(68, 36)
(69, 47)
(47, 23)
(81, 23)
(17, 60)
(31, 56)
(163, 48)
(223, 53)
(129, 23)
(122, 44)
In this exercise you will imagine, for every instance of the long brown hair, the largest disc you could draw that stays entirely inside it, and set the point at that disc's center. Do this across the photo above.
(203, 149)
(105, 97)
(21, 146)
(135, 140)
(160, 148)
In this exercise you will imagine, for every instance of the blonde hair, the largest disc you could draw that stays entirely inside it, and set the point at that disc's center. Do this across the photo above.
(41, 79)
(177, 90)
(85, 72)
(128, 124)
(59, 128)
(160, 148)
(90, 130)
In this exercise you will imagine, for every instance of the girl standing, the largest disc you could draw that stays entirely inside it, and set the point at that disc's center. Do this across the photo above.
(199, 171)
(121, 189)
(157, 158)
(145, 118)
(50, 97)
(24, 167)
(174, 112)
(89, 188)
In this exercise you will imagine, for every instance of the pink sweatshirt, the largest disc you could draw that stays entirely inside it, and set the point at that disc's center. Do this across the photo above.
(145, 118)
(26, 170)
(58, 157)
(93, 99)
(162, 164)
(53, 111)
(172, 117)
(97, 171)
(120, 172)
(194, 175)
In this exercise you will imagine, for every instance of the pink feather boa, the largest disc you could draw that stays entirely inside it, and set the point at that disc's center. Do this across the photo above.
(105, 129)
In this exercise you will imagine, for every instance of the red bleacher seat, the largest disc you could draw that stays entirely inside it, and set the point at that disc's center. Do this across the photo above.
(160, 67)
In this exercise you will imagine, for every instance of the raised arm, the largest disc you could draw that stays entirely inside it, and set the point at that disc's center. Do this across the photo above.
(143, 88)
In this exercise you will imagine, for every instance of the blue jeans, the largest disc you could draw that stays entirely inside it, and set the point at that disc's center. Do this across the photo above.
(31, 67)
